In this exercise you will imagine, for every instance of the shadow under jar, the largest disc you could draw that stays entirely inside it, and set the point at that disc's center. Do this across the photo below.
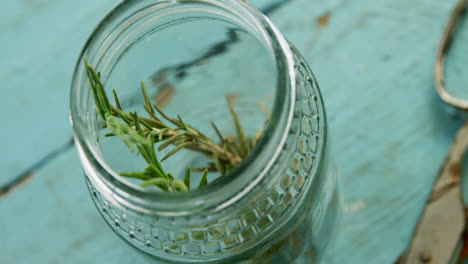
(280, 204)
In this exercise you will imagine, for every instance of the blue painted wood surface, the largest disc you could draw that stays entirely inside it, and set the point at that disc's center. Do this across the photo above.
(373, 60)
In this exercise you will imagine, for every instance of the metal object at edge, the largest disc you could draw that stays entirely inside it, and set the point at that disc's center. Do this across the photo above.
(444, 46)
(438, 235)
(442, 223)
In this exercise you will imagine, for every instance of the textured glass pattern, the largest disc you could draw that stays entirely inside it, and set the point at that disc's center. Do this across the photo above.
(235, 231)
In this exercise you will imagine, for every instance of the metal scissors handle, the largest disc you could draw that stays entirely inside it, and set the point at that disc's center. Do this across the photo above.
(438, 235)
(444, 46)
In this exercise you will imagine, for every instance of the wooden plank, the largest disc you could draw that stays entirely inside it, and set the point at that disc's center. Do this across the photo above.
(51, 219)
(41, 41)
(373, 60)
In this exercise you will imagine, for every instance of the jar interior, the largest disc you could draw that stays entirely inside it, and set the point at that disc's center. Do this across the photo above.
(191, 58)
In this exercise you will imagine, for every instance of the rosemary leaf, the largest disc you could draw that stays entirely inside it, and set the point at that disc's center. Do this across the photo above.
(101, 93)
(155, 172)
(144, 152)
(217, 164)
(156, 181)
(136, 122)
(94, 91)
(187, 178)
(120, 114)
(177, 148)
(161, 133)
(171, 140)
(204, 179)
(173, 121)
(257, 136)
(179, 186)
(145, 124)
(155, 160)
(114, 127)
(116, 99)
(141, 175)
(184, 126)
(265, 111)
(170, 177)
(146, 98)
(150, 111)
(243, 148)
(218, 133)
(210, 168)
(231, 146)
(259, 133)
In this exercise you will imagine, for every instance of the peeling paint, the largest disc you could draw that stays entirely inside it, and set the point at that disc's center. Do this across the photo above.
(18, 182)
(455, 171)
(164, 95)
(232, 97)
(25, 176)
(399, 260)
(355, 207)
(323, 20)
(464, 252)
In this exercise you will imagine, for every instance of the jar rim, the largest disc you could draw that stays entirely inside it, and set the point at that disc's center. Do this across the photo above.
(227, 190)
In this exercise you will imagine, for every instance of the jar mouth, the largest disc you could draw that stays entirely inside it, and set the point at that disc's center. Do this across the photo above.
(229, 188)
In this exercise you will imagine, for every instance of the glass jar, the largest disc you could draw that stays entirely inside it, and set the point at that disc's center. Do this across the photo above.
(280, 204)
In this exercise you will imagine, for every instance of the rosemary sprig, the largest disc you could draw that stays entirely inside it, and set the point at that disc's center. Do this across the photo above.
(243, 148)
(143, 133)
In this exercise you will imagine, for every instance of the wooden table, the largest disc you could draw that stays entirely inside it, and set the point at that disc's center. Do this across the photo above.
(373, 60)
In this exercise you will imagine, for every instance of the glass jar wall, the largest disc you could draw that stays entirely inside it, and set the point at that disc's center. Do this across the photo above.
(280, 204)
